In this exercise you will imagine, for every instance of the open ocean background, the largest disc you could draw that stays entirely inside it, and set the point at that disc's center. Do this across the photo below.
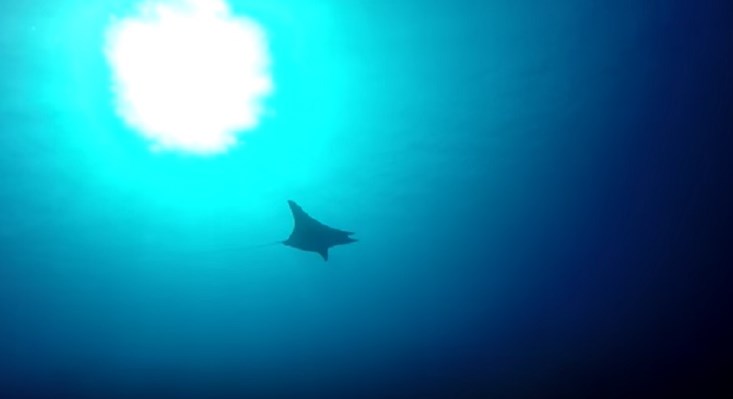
(541, 190)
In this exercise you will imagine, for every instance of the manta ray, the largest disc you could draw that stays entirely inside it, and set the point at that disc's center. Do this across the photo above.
(313, 236)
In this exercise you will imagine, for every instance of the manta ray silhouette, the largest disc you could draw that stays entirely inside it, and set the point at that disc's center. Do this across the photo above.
(313, 236)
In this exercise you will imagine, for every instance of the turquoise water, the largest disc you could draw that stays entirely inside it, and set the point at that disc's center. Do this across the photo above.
(523, 178)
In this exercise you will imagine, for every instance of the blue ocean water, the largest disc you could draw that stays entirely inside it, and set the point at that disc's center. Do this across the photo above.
(539, 189)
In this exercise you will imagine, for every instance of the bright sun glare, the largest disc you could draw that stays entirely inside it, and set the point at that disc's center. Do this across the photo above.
(188, 75)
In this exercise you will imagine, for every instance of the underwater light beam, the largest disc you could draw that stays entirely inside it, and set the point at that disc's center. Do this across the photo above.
(188, 75)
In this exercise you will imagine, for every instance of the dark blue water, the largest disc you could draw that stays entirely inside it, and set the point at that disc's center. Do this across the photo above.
(540, 190)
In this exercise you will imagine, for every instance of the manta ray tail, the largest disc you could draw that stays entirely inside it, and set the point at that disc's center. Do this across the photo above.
(279, 242)
(240, 248)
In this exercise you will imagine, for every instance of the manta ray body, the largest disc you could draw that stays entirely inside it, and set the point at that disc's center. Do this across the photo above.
(313, 236)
